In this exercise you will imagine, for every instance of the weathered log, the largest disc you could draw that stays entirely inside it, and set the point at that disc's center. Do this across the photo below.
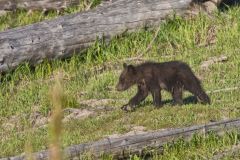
(59, 38)
(135, 144)
(11, 5)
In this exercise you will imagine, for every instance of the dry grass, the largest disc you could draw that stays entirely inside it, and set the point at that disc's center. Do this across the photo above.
(57, 97)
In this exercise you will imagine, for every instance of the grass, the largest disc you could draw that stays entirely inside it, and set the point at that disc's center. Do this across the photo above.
(26, 89)
(22, 17)
(198, 147)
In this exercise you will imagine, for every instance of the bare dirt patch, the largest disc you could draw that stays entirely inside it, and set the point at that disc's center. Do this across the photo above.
(73, 114)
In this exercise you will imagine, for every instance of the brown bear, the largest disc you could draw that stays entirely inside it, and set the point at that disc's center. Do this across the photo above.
(173, 76)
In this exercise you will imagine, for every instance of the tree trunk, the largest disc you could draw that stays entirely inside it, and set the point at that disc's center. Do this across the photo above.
(36, 4)
(59, 38)
(136, 144)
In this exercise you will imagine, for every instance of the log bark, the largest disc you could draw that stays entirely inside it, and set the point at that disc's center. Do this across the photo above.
(135, 144)
(11, 5)
(59, 38)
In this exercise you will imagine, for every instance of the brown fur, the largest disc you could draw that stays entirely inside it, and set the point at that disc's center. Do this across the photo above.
(173, 76)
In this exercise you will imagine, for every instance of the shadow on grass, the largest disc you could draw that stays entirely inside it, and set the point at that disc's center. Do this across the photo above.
(187, 100)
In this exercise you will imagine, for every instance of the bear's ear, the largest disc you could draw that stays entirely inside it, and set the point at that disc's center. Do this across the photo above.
(131, 68)
(125, 65)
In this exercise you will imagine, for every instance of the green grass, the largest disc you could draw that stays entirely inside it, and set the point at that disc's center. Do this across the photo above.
(199, 147)
(22, 17)
(27, 89)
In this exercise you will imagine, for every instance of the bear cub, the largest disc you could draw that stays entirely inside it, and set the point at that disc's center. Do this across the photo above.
(173, 76)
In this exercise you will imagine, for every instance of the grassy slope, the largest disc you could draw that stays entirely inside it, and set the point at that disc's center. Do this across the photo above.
(178, 39)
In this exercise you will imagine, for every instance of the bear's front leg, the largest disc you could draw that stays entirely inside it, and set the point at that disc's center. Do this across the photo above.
(127, 108)
(142, 93)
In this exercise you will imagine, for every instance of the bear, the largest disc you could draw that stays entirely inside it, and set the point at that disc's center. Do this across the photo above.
(172, 76)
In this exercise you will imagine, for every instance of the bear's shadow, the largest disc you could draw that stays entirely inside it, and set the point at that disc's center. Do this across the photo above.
(187, 100)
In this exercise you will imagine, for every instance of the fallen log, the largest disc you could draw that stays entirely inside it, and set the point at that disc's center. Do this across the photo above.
(11, 5)
(135, 144)
(59, 38)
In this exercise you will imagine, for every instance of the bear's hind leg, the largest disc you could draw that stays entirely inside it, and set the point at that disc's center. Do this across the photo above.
(193, 85)
(196, 89)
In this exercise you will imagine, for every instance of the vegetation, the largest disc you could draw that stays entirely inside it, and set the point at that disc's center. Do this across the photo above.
(94, 74)
(209, 147)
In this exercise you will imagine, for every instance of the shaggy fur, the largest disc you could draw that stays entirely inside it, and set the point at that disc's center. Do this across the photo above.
(173, 76)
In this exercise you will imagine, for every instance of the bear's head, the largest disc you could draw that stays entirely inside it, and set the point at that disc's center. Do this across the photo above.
(127, 77)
